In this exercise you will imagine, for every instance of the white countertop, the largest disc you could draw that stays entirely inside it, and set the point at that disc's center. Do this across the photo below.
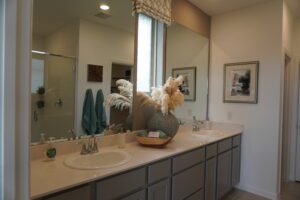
(53, 176)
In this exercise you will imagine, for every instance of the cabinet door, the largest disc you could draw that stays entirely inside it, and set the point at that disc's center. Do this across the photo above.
(224, 174)
(160, 191)
(211, 179)
(141, 195)
(236, 165)
(188, 182)
(83, 192)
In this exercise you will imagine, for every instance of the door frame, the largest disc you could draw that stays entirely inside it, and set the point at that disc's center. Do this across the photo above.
(297, 137)
(1, 94)
(286, 119)
(16, 101)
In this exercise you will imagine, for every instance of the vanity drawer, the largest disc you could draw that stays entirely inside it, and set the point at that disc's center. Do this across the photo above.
(188, 182)
(141, 195)
(211, 150)
(224, 145)
(159, 171)
(188, 159)
(120, 185)
(83, 192)
(236, 141)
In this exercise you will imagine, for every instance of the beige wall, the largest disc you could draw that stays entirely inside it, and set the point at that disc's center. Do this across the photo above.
(100, 45)
(63, 41)
(296, 40)
(38, 43)
(249, 34)
(186, 48)
(190, 16)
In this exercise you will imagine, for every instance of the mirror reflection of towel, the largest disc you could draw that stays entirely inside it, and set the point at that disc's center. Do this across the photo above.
(100, 112)
(89, 117)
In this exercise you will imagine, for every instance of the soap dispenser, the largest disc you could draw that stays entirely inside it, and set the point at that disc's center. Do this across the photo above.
(51, 150)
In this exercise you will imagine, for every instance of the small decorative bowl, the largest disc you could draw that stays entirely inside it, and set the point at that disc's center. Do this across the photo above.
(153, 142)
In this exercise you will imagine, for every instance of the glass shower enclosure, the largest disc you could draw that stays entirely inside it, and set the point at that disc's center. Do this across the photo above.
(52, 95)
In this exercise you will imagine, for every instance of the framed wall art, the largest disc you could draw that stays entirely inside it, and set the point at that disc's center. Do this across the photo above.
(241, 82)
(188, 88)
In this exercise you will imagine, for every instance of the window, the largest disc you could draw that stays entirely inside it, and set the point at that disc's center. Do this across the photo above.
(149, 53)
(144, 54)
(37, 74)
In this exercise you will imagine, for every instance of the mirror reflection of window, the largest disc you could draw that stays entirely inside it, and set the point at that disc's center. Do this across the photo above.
(144, 60)
(149, 53)
(37, 74)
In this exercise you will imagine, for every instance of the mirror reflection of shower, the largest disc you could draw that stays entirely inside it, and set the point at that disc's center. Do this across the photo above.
(52, 91)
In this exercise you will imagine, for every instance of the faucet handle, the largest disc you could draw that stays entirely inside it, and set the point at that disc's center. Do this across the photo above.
(84, 149)
(93, 147)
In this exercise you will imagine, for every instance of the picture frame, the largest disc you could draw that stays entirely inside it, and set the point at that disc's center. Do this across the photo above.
(241, 82)
(188, 88)
(95, 73)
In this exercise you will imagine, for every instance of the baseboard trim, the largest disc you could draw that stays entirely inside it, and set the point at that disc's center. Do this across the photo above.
(254, 190)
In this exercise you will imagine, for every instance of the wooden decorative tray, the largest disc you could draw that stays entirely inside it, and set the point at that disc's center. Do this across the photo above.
(153, 142)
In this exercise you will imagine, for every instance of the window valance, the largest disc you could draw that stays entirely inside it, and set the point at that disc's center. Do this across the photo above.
(158, 9)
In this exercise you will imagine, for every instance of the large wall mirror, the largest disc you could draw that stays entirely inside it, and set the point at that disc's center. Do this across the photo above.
(80, 51)
(187, 54)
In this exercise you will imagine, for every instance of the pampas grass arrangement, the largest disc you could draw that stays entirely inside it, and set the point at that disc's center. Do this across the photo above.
(165, 98)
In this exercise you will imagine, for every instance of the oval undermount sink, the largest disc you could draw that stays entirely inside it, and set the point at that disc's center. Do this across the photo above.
(208, 133)
(102, 160)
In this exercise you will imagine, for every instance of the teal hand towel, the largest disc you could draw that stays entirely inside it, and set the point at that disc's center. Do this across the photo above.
(100, 112)
(88, 114)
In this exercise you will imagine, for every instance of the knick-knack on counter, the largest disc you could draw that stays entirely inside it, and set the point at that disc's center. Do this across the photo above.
(51, 150)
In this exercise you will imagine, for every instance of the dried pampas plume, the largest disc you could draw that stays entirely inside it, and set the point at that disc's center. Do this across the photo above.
(124, 99)
(169, 96)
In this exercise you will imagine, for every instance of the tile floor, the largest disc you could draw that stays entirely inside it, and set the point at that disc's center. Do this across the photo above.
(290, 191)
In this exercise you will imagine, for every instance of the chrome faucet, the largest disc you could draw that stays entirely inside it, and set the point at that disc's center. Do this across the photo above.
(196, 124)
(90, 147)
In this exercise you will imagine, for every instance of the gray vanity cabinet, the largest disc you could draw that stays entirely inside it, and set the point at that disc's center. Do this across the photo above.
(224, 174)
(159, 191)
(207, 173)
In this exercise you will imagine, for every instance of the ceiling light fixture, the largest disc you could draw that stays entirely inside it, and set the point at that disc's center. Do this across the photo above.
(104, 6)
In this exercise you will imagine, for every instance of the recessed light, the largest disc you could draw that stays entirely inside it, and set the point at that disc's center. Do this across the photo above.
(104, 6)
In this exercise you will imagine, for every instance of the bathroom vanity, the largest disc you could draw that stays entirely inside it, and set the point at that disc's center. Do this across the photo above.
(191, 167)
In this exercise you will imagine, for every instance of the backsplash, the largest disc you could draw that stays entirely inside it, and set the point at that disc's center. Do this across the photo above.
(66, 147)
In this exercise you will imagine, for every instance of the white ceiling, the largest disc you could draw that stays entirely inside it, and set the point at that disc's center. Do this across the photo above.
(217, 7)
(49, 15)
